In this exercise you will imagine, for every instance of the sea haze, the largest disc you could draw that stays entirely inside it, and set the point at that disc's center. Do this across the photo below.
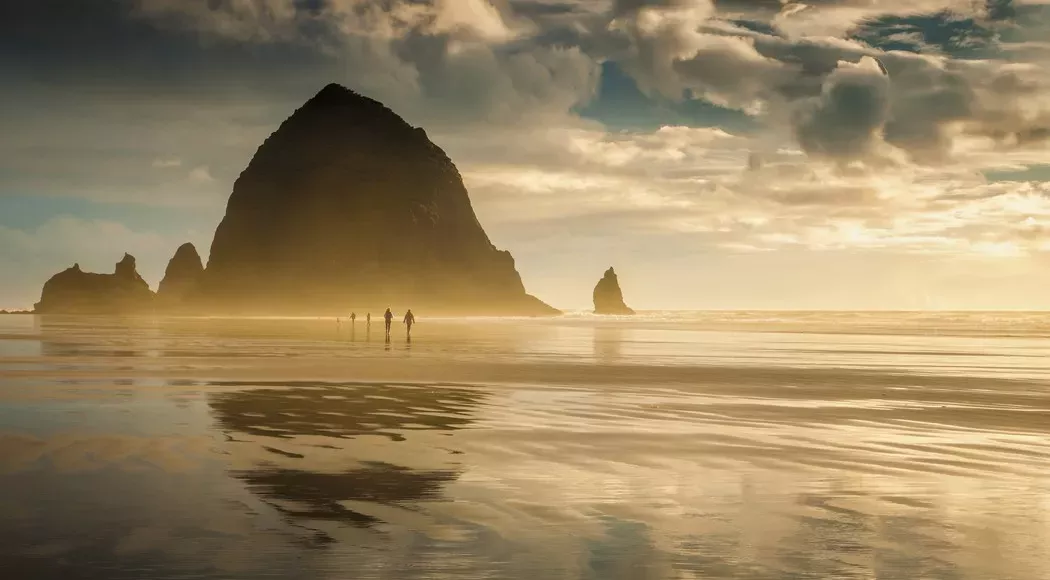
(759, 445)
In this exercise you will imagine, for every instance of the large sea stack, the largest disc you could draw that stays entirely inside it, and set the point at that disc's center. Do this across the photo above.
(181, 278)
(608, 299)
(73, 291)
(348, 206)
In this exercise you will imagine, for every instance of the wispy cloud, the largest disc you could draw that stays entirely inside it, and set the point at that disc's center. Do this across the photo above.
(166, 163)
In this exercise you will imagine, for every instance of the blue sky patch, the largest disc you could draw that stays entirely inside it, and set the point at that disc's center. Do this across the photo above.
(621, 105)
(944, 32)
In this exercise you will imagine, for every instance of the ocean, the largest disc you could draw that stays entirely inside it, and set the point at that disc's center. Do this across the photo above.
(680, 445)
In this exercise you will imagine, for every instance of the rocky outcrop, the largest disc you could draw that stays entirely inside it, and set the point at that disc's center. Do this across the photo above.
(608, 299)
(181, 277)
(347, 205)
(74, 291)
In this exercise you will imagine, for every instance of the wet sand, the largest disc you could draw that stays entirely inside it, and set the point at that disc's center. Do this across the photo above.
(719, 445)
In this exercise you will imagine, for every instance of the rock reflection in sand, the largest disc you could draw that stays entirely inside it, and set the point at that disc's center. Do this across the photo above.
(322, 494)
(330, 410)
(292, 413)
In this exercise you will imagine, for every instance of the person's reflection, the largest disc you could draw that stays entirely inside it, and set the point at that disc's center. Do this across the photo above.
(608, 343)
(387, 341)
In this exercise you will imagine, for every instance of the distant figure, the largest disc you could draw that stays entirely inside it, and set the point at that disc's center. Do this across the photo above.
(388, 316)
(368, 319)
(410, 319)
(353, 318)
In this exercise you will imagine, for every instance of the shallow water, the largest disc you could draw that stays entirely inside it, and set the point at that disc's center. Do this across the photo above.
(671, 445)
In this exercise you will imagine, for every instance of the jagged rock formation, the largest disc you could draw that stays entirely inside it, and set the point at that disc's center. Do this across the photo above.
(73, 291)
(347, 205)
(608, 299)
(181, 277)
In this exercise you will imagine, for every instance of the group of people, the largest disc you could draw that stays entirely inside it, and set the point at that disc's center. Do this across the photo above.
(388, 317)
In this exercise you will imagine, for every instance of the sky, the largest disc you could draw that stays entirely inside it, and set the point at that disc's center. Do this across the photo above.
(720, 154)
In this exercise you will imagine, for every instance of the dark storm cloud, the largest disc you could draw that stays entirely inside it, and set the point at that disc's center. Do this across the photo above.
(91, 95)
(918, 104)
(845, 121)
(101, 43)
(926, 100)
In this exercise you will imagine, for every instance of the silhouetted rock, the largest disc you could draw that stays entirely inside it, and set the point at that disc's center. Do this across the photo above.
(73, 291)
(347, 206)
(608, 299)
(181, 277)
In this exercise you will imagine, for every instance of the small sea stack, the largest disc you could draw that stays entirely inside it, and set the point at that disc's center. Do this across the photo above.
(608, 298)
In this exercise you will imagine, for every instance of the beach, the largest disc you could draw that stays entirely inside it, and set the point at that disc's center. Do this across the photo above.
(759, 445)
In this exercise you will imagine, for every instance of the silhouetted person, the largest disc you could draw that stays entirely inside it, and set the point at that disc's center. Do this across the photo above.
(368, 319)
(410, 319)
(388, 317)
(353, 318)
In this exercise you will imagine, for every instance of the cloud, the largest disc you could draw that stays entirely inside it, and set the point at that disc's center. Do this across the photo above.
(454, 61)
(847, 119)
(201, 175)
(838, 17)
(806, 85)
(705, 184)
(837, 126)
(166, 163)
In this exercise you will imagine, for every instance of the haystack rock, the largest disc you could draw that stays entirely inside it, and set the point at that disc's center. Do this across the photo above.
(181, 277)
(608, 299)
(73, 291)
(348, 206)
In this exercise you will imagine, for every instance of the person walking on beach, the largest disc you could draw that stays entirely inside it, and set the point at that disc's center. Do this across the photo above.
(353, 318)
(410, 319)
(368, 320)
(388, 316)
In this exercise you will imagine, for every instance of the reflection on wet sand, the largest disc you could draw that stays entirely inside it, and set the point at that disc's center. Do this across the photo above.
(295, 422)
(608, 344)
(243, 449)
(322, 494)
(341, 410)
